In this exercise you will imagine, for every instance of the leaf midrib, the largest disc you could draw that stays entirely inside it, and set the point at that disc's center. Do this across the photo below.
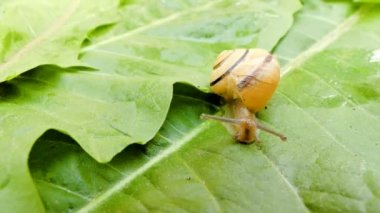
(327, 40)
(153, 161)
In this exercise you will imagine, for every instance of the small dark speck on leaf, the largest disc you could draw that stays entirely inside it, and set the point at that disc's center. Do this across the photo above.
(188, 178)
(265, 107)
(259, 145)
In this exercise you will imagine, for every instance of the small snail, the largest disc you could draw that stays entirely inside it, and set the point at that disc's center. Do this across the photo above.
(246, 79)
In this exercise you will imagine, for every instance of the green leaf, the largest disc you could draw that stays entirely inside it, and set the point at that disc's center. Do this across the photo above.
(151, 52)
(217, 23)
(368, 1)
(338, 119)
(38, 32)
(312, 24)
(127, 99)
(184, 167)
(328, 104)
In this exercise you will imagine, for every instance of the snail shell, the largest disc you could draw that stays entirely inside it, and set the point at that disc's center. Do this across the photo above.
(251, 75)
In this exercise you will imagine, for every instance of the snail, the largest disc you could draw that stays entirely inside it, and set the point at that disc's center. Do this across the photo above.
(246, 79)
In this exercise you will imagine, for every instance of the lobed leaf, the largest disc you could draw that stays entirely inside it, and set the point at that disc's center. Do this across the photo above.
(34, 33)
(189, 166)
(327, 104)
(127, 99)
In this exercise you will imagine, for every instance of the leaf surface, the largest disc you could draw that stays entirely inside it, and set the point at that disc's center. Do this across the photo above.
(367, 1)
(311, 26)
(176, 172)
(37, 32)
(148, 49)
(127, 99)
(327, 104)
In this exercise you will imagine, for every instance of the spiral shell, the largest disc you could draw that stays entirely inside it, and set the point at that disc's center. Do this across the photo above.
(251, 75)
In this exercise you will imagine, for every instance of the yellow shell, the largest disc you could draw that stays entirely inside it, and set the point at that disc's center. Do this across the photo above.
(250, 75)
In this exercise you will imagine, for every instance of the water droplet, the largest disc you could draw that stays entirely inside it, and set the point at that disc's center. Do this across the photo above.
(4, 177)
(375, 57)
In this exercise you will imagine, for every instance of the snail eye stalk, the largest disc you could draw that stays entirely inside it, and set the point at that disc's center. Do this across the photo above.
(246, 79)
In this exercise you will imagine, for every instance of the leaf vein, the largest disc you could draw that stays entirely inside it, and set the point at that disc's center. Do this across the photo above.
(340, 30)
(320, 18)
(44, 36)
(151, 25)
(59, 187)
(158, 189)
(328, 133)
(160, 63)
(285, 180)
(356, 105)
(124, 182)
(213, 198)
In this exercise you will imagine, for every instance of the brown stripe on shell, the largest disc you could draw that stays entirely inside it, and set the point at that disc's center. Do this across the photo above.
(230, 69)
(216, 66)
(246, 81)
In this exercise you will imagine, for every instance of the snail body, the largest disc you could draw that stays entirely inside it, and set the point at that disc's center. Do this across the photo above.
(246, 79)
